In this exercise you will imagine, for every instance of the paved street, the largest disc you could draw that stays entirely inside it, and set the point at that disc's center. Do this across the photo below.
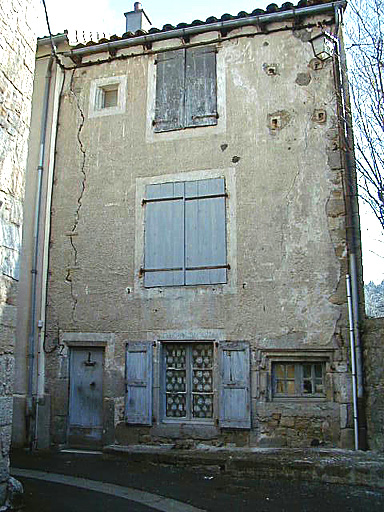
(115, 485)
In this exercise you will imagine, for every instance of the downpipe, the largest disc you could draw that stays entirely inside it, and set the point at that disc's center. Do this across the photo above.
(352, 237)
(353, 362)
(33, 328)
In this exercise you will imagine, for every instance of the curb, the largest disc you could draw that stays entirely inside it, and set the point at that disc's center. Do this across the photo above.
(313, 465)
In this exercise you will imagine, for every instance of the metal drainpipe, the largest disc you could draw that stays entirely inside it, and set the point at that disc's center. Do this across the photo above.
(353, 224)
(33, 326)
(353, 362)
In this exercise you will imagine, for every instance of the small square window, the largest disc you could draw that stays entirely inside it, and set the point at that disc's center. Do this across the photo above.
(109, 96)
(298, 379)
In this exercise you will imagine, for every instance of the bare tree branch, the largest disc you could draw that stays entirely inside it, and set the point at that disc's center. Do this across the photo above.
(365, 47)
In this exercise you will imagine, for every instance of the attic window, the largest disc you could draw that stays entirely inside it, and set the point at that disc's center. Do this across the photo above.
(107, 96)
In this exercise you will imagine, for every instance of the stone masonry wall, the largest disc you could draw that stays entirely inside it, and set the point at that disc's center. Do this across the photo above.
(374, 381)
(17, 50)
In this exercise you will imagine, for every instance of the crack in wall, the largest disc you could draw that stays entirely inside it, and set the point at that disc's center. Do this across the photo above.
(69, 276)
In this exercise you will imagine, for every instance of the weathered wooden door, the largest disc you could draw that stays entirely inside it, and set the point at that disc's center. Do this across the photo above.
(85, 422)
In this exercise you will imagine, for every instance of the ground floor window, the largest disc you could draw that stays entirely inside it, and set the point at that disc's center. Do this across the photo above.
(298, 379)
(188, 380)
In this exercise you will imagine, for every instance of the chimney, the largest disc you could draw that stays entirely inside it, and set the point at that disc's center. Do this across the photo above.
(137, 19)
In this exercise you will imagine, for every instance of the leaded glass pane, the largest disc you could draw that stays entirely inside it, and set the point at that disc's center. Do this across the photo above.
(290, 371)
(202, 381)
(176, 406)
(280, 386)
(291, 387)
(319, 371)
(202, 406)
(202, 355)
(175, 355)
(319, 387)
(307, 387)
(279, 371)
(307, 371)
(175, 381)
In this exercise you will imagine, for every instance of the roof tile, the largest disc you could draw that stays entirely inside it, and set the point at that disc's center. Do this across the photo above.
(271, 8)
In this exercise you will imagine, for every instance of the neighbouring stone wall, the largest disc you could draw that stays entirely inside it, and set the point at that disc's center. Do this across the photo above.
(374, 381)
(17, 51)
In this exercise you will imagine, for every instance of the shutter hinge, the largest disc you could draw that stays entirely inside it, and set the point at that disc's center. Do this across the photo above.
(157, 121)
(214, 115)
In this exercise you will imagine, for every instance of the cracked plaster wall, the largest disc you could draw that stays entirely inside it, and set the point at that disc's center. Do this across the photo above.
(17, 52)
(291, 252)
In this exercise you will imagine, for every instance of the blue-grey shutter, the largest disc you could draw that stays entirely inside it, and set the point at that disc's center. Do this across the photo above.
(235, 409)
(164, 235)
(170, 86)
(205, 231)
(200, 87)
(138, 405)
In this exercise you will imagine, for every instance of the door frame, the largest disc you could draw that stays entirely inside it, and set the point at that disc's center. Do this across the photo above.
(83, 441)
(84, 340)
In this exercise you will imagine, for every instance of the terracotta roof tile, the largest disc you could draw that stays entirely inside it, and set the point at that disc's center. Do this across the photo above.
(271, 8)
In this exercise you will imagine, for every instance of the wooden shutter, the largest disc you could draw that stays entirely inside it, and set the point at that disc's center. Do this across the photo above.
(205, 231)
(138, 406)
(200, 87)
(235, 385)
(170, 85)
(164, 235)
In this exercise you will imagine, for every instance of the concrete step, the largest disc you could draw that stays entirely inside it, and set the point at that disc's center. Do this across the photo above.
(314, 464)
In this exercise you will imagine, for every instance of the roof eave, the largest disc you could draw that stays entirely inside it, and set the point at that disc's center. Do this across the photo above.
(199, 29)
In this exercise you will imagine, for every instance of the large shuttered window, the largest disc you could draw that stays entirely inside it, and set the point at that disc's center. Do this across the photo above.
(186, 94)
(185, 233)
(190, 377)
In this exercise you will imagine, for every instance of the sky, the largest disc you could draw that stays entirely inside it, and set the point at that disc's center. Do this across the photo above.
(107, 16)
(98, 17)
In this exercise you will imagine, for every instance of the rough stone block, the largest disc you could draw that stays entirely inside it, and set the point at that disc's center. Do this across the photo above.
(287, 421)
(18, 430)
(5, 439)
(347, 439)
(3, 492)
(343, 416)
(8, 316)
(5, 411)
(44, 418)
(7, 369)
(272, 442)
(334, 160)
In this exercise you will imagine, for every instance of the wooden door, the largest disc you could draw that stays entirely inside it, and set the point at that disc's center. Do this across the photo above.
(85, 422)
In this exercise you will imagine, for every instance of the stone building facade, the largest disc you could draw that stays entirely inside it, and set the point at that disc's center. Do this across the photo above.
(197, 238)
(374, 361)
(17, 62)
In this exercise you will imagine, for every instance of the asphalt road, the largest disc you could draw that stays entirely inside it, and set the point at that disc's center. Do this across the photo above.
(49, 497)
(204, 489)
